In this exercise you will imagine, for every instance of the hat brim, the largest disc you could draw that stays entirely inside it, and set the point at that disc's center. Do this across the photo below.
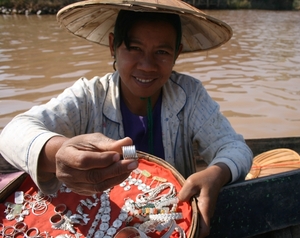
(93, 20)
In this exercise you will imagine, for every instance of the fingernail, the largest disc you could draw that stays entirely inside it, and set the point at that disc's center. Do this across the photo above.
(116, 157)
(132, 165)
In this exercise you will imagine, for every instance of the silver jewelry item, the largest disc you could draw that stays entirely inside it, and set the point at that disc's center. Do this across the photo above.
(129, 152)
(60, 208)
(32, 232)
(104, 226)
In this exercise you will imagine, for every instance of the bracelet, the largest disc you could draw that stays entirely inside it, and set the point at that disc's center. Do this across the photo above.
(166, 217)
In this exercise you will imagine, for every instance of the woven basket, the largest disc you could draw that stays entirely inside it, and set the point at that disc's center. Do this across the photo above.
(274, 162)
(194, 228)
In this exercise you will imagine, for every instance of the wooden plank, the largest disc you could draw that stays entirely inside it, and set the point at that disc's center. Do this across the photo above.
(261, 145)
(257, 206)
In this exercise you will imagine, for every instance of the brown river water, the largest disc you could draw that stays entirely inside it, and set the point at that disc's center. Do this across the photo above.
(255, 77)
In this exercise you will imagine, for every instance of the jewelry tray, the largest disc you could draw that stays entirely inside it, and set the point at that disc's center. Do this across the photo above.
(43, 220)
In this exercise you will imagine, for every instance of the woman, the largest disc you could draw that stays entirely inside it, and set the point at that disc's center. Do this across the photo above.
(77, 137)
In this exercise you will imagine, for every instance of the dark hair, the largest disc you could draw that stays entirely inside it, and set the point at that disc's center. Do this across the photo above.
(126, 20)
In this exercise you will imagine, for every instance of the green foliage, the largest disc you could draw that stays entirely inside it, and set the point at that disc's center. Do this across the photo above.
(6, 3)
(296, 4)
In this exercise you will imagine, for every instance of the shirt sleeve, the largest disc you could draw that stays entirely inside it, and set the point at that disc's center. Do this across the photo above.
(217, 140)
(22, 140)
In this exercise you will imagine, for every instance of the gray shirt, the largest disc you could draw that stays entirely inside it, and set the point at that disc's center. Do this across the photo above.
(190, 120)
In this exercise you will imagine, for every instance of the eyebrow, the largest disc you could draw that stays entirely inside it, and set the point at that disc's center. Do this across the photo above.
(160, 46)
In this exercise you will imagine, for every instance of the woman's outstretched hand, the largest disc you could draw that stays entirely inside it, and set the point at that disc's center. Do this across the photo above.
(89, 163)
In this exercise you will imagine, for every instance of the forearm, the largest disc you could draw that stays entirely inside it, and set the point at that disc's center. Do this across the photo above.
(222, 174)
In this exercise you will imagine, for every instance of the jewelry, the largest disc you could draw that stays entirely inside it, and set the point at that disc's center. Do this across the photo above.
(129, 152)
(20, 226)
(143, 185)
(40, 196)
(44, 234)
(19, 197)
(167, 202)
(32, 232)
(104, 198)
(158, 179)
(19, 234)
(153, 210)
(60, 208)
(1, 228)
(153, 194)
(56, 221)
(39, 207)
(27, 197)
(8, 231)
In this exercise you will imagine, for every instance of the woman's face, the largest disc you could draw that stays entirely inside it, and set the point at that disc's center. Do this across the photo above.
(146, 65)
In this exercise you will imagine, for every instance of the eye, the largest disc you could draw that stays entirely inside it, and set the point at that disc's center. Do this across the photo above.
(162, 52)
(134, 48)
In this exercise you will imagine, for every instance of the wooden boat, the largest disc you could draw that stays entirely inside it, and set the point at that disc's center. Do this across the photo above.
(266, 207)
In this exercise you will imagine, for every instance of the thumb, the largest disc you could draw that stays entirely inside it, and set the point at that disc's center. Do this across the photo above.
(118, 144)
(187, 191)
(104, 143)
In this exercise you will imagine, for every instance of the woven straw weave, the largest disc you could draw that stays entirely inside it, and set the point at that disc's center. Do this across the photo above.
(93, 20)
(274, 162)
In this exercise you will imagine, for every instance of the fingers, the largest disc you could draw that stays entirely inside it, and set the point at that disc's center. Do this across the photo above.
(92, 188)
(204, 206)
(91, 163)
(96, 174)
(100, 142)
(198, 185)
(189, 189)
(90, 151)
(85, 160)
(118, 144)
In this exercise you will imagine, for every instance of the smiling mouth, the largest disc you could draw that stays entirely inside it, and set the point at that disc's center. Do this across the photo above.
(144, 80)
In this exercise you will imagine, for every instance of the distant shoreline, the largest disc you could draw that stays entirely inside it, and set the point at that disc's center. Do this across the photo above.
(41, 7)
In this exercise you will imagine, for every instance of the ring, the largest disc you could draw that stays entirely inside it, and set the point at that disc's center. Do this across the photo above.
(56, 220)
(27, 197)
(20, 226)
(44, 234)
(60, 208)
(8, 231)
(34, 232)
(39, 208)
(20, 234)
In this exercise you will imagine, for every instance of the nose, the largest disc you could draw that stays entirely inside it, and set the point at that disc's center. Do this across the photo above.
(147, 62)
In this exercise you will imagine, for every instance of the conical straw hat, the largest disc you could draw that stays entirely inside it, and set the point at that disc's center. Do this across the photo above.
(93, 20)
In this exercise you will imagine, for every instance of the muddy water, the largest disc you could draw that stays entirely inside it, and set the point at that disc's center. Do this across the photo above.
(255, 77)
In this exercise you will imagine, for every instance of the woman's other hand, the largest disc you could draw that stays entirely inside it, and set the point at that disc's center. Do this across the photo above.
(205, 186)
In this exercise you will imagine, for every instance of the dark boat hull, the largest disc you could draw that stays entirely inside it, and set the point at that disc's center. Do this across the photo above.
(263, 207)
